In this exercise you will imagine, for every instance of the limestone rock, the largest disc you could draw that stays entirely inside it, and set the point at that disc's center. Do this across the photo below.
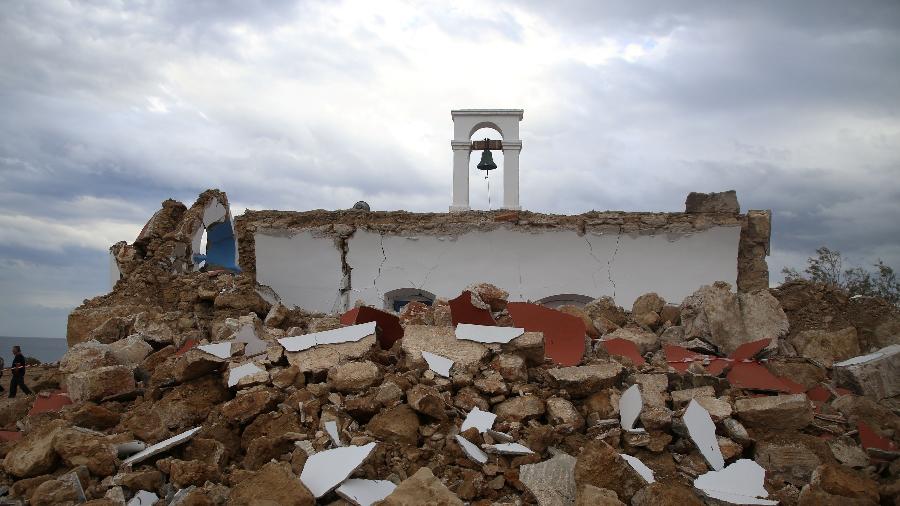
(130, 351)
(276, 315)
(398, 424)
(511, 367)
(715, 202)
(776, 411)
(665, 494)
(421, 488)
(55, 493)
(248, 404)
(95, 384)
(353, 376)
(562, 412)
(645, 341)
(440, 341)
(876, 375)
(34, 454)
(605, 308)
(844, 482)
(275, 483)
(647, 308)
(86, 356)
(520, 409)
(488, 296)
(580, 381)
(827, 347)
(82, 447)
(812, 495)
(552, 482)
(321, 358)
(729, 320)
(791, 457)
(589, 495)
(12, 410)
(601, 465)
(184, 473)
(427, 400)
(416, 313)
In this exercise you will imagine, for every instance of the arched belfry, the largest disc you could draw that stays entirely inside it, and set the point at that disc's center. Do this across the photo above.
(465, 123)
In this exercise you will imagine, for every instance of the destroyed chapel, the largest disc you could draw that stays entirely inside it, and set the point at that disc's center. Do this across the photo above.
(502, 357)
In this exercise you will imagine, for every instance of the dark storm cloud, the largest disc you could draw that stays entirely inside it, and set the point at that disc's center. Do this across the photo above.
(110, 108)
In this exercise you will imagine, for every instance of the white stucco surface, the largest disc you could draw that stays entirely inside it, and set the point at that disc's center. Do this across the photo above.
(533, 266)
(303, 269)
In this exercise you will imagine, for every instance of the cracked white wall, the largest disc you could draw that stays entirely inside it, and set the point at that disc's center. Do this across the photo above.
(532, 266)
(306, 270)
(302, 268)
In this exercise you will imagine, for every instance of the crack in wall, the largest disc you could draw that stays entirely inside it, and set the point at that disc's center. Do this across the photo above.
(380, 266)
(609, 262)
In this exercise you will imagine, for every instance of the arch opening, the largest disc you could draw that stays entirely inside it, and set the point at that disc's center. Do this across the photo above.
(565, 299)
(394, 300)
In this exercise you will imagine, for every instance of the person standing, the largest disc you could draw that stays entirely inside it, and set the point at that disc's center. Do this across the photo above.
(18, 373)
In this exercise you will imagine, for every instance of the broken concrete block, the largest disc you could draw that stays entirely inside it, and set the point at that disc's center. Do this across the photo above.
(34, 454)
(601, 465)
(95, 384)
(520, 408)
(827, 347)
(552, 482)
(775, 412)
(353, 376)
(580, 381)
(320, 358)
(876, 374)
(715, 202)
(326, 470)
(791, 457)
(421, 488)
(682, 397)
(130, 351)
(85, 357)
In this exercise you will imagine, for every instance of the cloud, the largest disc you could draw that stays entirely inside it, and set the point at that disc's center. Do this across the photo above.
(110, 108)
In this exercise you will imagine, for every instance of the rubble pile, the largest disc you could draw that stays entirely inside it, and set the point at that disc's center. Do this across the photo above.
(200, 388)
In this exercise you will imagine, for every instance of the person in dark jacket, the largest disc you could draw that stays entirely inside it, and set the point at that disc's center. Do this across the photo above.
(18, 373)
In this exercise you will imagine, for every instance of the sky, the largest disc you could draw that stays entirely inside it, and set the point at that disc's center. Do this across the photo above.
(107, 108)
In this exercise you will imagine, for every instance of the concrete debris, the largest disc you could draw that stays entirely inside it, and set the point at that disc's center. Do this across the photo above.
(143, 498)
(876, 375)
(161, 447)
(327, 469)
(702, 431)
(438, 364)
(472, 451)
(739, 483)
(353, 333)
(365, 492)
(487, 334)
(548, 417)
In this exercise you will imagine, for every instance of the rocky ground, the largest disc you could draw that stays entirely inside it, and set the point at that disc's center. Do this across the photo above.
(767, 366)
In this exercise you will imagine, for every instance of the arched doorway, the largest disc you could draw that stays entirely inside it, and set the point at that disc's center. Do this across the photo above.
(394, 300)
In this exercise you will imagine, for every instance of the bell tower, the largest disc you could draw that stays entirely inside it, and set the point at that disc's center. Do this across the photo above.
(465, 123)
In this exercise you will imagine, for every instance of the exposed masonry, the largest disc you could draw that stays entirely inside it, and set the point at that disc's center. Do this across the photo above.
(346, 227)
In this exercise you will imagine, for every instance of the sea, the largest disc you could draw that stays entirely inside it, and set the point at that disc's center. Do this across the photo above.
(45, 349)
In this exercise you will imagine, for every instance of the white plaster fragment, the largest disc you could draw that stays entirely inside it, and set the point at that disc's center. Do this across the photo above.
(487, 333)
(214, 212)
(349, 334)
(332, 429)
(509, 449)
(241, 371)
(365, 492)
(739, 483)
(630, 406)
(481, 420)
(889, 350)
(440, 365)
(702, 430)
(642, 469)
(129, 448)
(221, 350)
(501, 436)
(327, 469)
(247, 335)
(161, 446)
(143, 498)
(473, 451)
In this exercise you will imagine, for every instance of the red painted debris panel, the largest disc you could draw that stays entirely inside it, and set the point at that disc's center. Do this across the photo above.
(563, 333)
(10, 435)
(49, 403)
(462, 311)
(747, 351)
(755, 376)
(624, 348)
(190, 343)
(390, 330)
(868, 438)
(680, 358)
(818, 393)
(349, 318)
(717, 366)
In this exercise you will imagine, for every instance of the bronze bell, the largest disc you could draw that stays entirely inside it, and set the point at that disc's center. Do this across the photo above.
(487, 160)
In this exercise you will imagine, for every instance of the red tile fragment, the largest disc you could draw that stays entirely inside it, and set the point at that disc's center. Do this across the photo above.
(818, 393)
(349, 318)
(868, 438)
(792, 386)
(390, 330)
(842, 391)
(747, 351)
(623, 348)
(680, 358)
(717, 365)
(563, 333)
(462, 311)
(49, 403)
(755, 376)
(10, 435)
(190, 343)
